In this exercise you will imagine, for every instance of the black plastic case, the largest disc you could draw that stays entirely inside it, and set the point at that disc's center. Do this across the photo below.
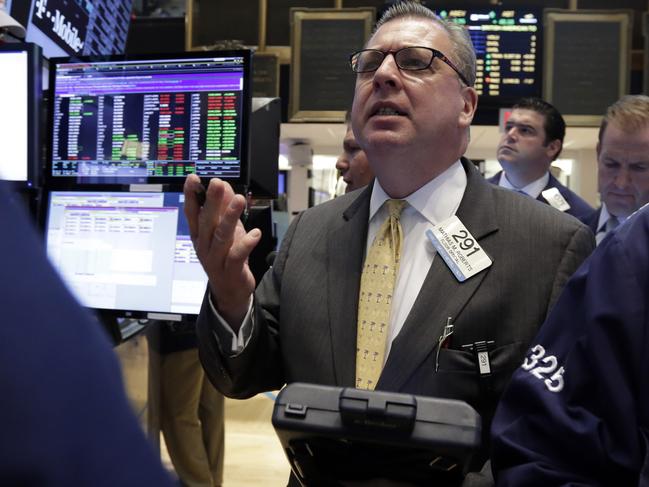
(332, 434)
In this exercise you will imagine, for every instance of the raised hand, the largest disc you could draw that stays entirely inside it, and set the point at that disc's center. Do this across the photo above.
(222, 245)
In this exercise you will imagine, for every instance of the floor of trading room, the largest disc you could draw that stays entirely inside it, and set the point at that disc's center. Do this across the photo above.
(253, 455)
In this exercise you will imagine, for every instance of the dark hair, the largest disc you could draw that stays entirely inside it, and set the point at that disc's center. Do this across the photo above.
(553, 123)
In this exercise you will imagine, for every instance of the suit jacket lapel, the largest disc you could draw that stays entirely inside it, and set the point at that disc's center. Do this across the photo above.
(441, 295)
(345, 249)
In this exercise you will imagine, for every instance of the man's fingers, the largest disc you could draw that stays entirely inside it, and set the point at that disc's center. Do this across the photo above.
(224, 233)
(243, 246)
(191, 189)
(211, 213)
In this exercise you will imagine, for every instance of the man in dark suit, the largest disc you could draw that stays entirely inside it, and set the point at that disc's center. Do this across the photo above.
(584, 385)
(622, 164)
(412, 110)
(66, 418)
(532, 139)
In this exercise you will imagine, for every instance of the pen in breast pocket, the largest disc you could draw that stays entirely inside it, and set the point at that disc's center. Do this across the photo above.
(444, 340)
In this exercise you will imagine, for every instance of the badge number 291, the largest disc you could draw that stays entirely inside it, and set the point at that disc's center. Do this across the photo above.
(465, 242)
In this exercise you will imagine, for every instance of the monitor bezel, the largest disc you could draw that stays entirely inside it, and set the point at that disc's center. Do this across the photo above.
(34, 109)
(108, 313)
(168, 183)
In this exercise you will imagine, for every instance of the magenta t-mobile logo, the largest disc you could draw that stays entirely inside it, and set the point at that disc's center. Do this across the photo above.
(41, 6)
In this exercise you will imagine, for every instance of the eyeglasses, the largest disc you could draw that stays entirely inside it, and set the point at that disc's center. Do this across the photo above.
(412, 58)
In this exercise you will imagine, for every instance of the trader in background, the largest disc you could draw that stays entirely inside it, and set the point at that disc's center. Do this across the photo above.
(358, 296)
(66, 420)
(532, 139)
(577, 409)
(352, 164)
(622, 163)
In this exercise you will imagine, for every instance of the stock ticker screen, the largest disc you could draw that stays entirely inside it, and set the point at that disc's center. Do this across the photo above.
(139, 121)
(508, 50)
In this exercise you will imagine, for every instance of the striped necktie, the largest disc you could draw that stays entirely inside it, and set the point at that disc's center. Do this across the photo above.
(375, 299)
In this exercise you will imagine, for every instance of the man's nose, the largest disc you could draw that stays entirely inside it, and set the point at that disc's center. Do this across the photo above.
(622, 178)
(387, 73)
(342, 164)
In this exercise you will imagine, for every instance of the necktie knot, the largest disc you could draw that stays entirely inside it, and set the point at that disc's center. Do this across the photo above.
(395, 207)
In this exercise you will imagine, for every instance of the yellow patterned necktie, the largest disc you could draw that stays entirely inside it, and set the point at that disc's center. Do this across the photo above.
(375, 299)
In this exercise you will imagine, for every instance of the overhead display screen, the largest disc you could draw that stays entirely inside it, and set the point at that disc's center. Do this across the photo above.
(508, 50)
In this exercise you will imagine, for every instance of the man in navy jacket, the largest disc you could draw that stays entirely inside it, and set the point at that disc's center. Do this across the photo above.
(532, 139)
(65, 417)
(577, 410)
(622, 164)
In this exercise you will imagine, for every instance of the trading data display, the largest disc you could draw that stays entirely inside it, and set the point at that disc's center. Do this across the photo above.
(138, 120)
(507, 45)
(123, 251)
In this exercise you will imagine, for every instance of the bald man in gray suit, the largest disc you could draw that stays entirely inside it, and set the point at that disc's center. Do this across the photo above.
(413, 106)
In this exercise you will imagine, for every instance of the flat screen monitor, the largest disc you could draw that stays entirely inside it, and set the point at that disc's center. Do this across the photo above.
(74, 27)
(20, 102)
(125, 254)
(149, 119)
(508, 45)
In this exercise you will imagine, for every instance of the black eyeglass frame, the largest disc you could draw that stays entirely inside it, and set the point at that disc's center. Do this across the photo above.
(435, 54)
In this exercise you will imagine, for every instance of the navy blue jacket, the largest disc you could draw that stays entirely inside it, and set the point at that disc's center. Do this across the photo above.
(577, 411)
(65, 417)
(578, 207)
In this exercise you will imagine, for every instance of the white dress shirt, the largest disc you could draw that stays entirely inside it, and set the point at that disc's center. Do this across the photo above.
(533, 189)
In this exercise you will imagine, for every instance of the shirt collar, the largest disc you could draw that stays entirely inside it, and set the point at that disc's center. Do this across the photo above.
(533, 189)
(604, 216)
(436, 201)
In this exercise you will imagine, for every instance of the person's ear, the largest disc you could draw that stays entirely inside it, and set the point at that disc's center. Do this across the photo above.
(469, 106)
(554, 148)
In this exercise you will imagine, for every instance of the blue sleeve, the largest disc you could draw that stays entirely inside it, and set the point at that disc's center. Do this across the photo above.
(65, 417)
(574, 412)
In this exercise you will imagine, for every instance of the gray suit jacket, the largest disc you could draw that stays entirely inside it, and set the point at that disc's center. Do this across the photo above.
(305, 307)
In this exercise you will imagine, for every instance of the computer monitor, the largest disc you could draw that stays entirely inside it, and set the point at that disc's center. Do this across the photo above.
(20, 103)
(508, 44)
(65, 27)
(125, 254)
(149, 119)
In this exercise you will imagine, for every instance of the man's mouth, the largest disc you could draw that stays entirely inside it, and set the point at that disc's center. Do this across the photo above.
(387, 111)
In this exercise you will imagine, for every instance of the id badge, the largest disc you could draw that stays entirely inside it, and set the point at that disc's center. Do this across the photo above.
(459, 249)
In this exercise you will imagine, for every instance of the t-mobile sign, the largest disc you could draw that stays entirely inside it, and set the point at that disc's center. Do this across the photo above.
(63, 21)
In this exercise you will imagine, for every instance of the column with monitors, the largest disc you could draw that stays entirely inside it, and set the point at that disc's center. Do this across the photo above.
(125, 133)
